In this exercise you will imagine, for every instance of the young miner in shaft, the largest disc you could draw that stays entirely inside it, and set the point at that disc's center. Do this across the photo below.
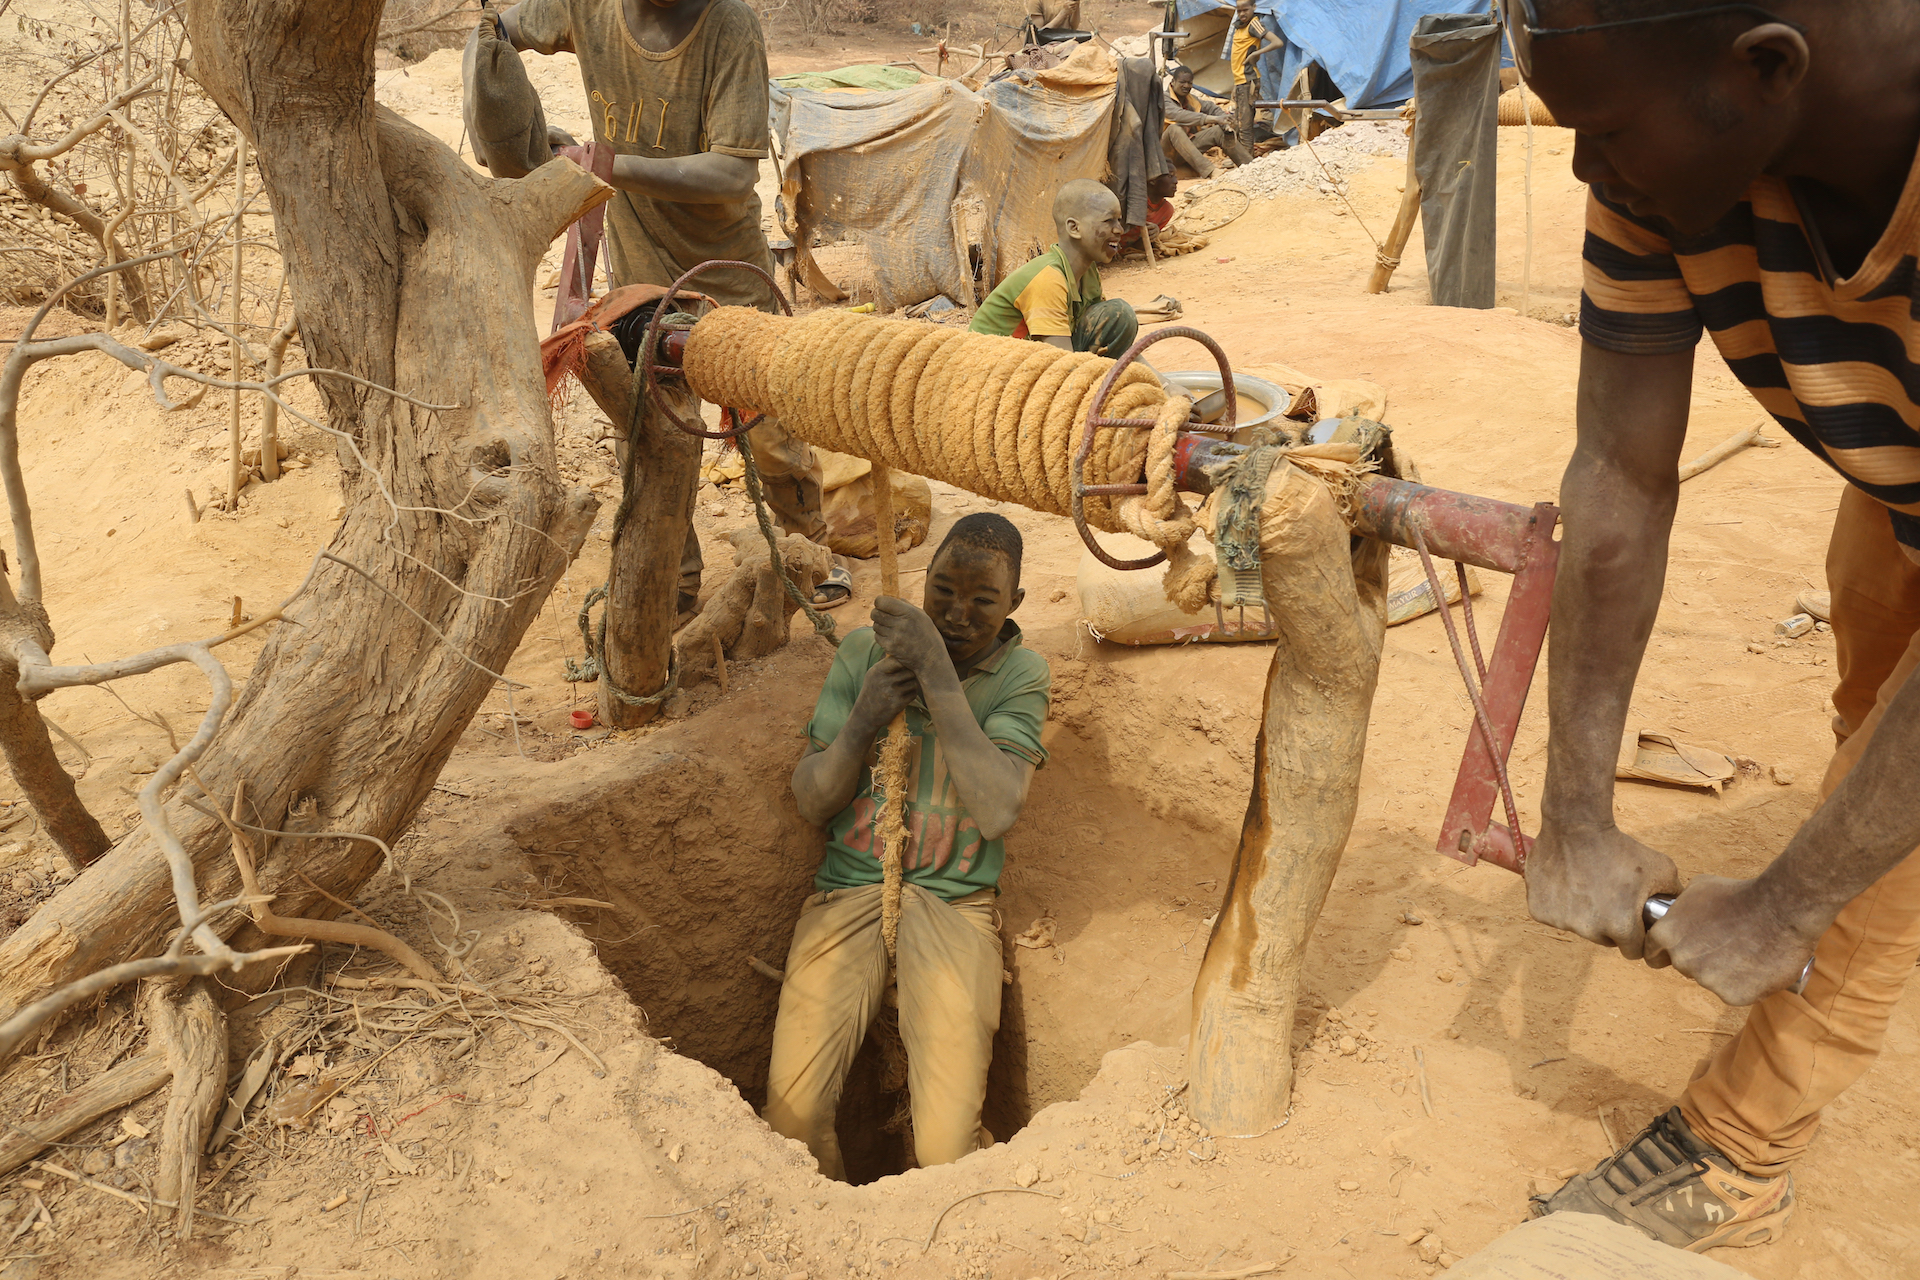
(1724, 199)
(679, 89)
(1056, 297)
(975, 702)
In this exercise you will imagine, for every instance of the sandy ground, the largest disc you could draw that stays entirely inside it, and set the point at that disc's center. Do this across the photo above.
(503, 1150)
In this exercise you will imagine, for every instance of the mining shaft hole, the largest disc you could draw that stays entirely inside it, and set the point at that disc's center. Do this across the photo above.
(693, 897)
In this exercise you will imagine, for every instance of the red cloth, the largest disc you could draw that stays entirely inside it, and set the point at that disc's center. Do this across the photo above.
(564, 352)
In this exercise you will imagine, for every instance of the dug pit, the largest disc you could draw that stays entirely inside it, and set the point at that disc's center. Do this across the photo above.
(691, 835)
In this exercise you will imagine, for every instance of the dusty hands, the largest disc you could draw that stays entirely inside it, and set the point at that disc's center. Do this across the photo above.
(885, 693)
(1725, 936)
(909, 636)
(1595, 882)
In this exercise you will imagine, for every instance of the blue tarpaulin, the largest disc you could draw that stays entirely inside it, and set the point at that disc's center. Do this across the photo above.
(1362, 44)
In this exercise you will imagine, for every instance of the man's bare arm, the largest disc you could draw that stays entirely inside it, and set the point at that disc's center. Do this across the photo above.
(1744, 939)
(705, 178)
(1617, 502)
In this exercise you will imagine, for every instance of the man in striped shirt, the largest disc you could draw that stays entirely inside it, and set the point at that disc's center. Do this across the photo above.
(1753, 173)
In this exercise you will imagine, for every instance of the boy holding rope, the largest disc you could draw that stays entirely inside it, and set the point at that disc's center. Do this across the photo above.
(975, 701)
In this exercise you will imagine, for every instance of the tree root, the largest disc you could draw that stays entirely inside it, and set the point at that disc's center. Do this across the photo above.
(358, 935)
(195, 1034)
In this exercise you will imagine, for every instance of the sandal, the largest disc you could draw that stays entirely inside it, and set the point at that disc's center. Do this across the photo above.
(835, 591)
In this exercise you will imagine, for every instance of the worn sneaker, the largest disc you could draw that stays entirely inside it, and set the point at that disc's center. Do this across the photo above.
(1680, 1191)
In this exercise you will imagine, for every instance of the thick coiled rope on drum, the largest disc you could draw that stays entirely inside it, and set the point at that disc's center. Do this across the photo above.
(997, 416)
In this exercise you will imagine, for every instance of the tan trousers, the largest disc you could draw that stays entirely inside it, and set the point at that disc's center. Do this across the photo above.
(1760, 1099)
(791, 476)
(949, 977)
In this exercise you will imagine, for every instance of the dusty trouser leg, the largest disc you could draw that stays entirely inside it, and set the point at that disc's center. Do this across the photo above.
(1181, 149)
(1106, 328)
(1243, 111)
(950, 983)
(1759, 1101)
(1218, 135)
(836, 970)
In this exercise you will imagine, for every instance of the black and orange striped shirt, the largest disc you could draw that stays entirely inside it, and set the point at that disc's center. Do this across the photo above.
(1834, 361)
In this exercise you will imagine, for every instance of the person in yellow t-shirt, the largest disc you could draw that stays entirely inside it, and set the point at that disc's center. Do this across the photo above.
(1056, 297)
(1251, 38)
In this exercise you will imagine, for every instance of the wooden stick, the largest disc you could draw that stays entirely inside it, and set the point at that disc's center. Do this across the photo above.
(127, 1083)
(1733, 444)
(1526, 259)
(1426, 1096)
(233, 316)
(720, 661)
(764, 969)
(1257, 1269)
(145, 1202)
(1330, 603)
(1403, 221)
(269, 411)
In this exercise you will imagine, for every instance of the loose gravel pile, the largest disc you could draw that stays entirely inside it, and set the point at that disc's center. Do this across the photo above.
(1343, 151)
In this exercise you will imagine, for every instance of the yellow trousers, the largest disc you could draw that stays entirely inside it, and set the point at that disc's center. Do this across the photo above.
(949, 979)
(1759, 1100)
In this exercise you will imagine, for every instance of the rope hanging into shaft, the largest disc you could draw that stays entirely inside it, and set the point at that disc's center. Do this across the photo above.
(895, 767)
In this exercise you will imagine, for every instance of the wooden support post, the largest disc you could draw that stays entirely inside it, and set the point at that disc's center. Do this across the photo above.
(661, 466)
(1403, 221)
(1331, 608)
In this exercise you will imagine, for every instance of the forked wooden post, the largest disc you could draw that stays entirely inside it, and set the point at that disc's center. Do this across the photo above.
(1402, 230)
(1331, 609)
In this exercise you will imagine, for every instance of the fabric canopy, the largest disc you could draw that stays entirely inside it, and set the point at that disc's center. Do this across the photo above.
(923, 172)
(1362, 44)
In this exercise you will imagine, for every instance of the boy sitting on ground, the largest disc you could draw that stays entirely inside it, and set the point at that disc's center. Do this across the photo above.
(1195, 123)
(975, 701)
(1056, 298)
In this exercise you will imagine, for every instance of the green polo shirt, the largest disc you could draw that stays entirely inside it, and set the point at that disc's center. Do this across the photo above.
(945, 854)
(1040, 300)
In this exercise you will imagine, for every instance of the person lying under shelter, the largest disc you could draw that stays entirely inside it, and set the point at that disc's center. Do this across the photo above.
(1056, 298)
(975, 701)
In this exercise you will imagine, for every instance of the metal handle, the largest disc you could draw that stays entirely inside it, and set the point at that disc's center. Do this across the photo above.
(1656, 910)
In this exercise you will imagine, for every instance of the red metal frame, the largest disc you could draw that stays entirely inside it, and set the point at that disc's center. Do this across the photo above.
(1469, 833)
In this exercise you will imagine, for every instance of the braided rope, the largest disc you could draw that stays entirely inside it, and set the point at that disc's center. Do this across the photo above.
(997, 416)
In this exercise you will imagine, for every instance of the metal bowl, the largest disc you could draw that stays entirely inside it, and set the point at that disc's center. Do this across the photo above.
(1272, 398)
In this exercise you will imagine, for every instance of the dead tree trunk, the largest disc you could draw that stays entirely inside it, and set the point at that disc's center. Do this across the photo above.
(1331, 608)
(413, 271)
(659, 469)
